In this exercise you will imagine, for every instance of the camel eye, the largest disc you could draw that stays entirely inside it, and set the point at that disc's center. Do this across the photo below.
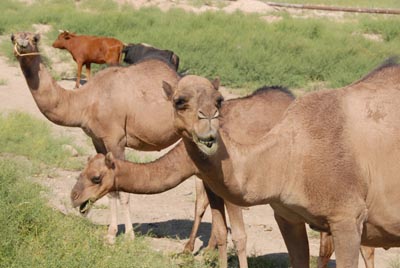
(219, 102)
(96, 179)
(180, 103)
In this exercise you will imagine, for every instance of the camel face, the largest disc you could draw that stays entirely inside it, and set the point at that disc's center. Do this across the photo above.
(95, 181)
(196, 103)
(25, 42)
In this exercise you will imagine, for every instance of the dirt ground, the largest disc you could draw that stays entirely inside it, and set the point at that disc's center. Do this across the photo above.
(169, 215)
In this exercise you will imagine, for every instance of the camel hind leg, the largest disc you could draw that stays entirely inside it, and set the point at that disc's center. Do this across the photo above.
(326, 250)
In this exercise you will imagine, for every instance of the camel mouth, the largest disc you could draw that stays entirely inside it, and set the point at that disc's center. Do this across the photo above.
(208, 146)
(85, 207)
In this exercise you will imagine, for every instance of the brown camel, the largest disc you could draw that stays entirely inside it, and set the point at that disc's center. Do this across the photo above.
(120, 107)
(269, 103)
(331, 162)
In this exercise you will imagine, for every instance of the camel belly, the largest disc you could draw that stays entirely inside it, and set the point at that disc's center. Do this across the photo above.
(378, 236)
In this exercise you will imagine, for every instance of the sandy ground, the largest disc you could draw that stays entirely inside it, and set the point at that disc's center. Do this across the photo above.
(169, 215)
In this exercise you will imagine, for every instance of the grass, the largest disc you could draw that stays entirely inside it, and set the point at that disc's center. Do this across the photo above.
(3, 82)
(23, 135)
(244, 50)
(34, 235)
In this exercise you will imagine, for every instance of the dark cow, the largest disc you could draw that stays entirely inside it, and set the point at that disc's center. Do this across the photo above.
(137, 52)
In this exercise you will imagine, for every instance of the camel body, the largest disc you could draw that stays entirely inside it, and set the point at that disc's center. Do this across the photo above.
(330, 162)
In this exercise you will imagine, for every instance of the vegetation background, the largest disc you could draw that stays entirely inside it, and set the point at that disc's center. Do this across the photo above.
(245, 50)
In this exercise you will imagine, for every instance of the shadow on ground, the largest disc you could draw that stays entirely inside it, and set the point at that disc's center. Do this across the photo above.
(176, 229)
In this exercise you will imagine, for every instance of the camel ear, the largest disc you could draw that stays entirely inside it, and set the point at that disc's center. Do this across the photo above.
(36, 38)
(12, 37)
(216, 82)
(110, 160)
(168, 90)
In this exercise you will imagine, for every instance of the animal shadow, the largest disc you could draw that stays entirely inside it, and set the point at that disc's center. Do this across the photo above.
(179, 229)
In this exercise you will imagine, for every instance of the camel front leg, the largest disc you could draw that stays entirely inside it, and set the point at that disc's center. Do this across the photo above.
(219, 229)
(296, 240)
(326, 250)
(200, 208)
(113, 227)
(346, 235)
(124, 202)
(239, 236)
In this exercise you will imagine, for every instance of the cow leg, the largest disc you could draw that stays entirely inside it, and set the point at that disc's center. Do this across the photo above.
(295, 237)
(87, 71)
(238, 232)
(368, 254)
(326, 250)
(199, 209)
(219, 228)
(78, 75)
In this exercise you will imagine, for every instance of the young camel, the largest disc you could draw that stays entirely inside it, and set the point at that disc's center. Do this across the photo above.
(120, 107)
(233, 111)
(331, 162)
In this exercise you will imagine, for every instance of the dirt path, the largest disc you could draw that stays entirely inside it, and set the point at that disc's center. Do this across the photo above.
(169, 215)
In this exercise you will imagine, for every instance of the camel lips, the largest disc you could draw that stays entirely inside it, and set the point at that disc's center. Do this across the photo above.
(84, 208)
(209, 143)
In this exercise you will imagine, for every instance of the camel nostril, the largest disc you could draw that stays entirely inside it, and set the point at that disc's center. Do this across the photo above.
(74, 195)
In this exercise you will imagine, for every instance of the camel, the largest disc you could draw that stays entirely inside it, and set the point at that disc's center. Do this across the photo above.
(330, 162)
(120, 107)
(234, 110)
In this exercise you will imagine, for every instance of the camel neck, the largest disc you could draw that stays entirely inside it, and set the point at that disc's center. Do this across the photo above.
(154, 177)
(237, 172)
(57, 104)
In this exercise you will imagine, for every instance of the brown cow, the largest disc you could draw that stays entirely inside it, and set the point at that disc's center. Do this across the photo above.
(87, 49)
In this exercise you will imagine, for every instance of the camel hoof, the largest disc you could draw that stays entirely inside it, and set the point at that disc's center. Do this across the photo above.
(130, 235)
(110, 239)
(188, 248)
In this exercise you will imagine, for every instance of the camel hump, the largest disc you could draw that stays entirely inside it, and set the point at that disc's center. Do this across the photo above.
(385, 74)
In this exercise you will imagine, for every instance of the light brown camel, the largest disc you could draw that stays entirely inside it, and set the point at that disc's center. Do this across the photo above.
(331, 162)
(120, 107)
(269, 103)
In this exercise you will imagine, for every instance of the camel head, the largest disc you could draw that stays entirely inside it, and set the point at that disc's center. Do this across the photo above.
(196, 103)
(95, 181)
(25, 43)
